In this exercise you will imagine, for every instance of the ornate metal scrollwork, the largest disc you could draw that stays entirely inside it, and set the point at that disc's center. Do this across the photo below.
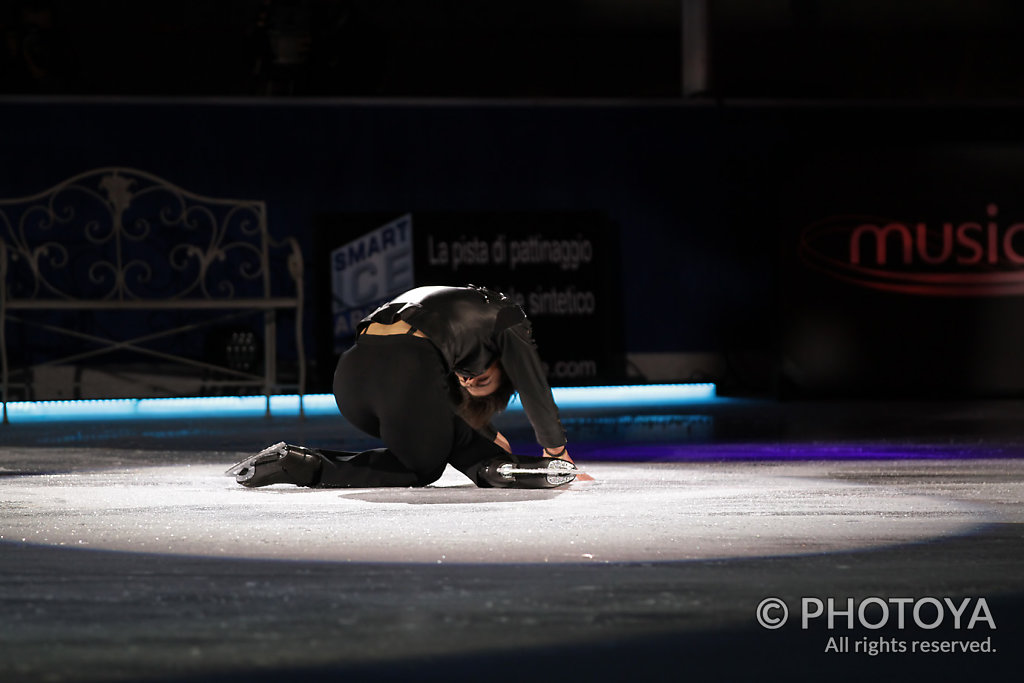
(122, 234)
(117, 237)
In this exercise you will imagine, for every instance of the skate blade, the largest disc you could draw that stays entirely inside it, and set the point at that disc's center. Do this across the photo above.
(248, 465)
(557, 472)
(560, 472)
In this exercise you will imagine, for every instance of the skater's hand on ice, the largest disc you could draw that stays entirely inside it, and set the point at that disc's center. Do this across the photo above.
(503, 442)
(564, 455)
(560, 454)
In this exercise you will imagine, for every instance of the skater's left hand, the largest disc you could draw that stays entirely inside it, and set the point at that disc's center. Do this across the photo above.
(564, 455)
(560, 454)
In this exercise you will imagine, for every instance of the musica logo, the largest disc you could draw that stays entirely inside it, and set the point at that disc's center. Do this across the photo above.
(972, 258)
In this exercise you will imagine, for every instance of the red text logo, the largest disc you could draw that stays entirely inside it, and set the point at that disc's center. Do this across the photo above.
(938, 258)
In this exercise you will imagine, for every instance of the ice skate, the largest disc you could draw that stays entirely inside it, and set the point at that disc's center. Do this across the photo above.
(526, 472)
(281, 463)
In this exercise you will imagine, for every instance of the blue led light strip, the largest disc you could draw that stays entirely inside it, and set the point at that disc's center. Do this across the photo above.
(636, 396)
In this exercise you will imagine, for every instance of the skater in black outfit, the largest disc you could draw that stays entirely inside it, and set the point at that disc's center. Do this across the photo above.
(425, 375)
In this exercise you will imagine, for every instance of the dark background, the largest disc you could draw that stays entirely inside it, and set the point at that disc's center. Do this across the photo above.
(807, 109)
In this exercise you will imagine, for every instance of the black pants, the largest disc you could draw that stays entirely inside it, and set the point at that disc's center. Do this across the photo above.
(395, 387)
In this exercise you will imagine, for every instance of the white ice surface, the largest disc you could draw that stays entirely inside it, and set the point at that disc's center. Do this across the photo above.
(629, 513)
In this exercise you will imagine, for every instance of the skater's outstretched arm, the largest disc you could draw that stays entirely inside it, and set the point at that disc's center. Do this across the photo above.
(523, 366)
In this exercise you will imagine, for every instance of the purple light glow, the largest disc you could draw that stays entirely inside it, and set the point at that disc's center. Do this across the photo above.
(684, 452)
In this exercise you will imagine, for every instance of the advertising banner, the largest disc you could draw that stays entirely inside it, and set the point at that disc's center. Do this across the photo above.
(904, 275)
(562, 268)
(366, 272)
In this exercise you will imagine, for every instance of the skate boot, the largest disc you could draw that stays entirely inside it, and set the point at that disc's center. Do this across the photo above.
(278, 464)
(526, 472)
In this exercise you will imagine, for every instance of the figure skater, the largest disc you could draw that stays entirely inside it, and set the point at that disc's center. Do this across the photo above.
(427, 372)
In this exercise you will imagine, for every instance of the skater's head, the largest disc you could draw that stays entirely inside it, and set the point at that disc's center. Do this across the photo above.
(484, 395)
(484, 384)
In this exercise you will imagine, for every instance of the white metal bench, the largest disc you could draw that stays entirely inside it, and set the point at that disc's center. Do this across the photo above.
(122, 242)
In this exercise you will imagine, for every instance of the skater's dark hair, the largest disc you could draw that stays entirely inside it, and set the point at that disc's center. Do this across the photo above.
(479, 410)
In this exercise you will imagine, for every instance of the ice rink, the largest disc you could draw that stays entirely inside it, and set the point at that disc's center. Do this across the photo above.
(126, 554)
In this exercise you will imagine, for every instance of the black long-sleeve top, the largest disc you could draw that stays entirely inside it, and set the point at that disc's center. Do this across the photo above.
(473, 327)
